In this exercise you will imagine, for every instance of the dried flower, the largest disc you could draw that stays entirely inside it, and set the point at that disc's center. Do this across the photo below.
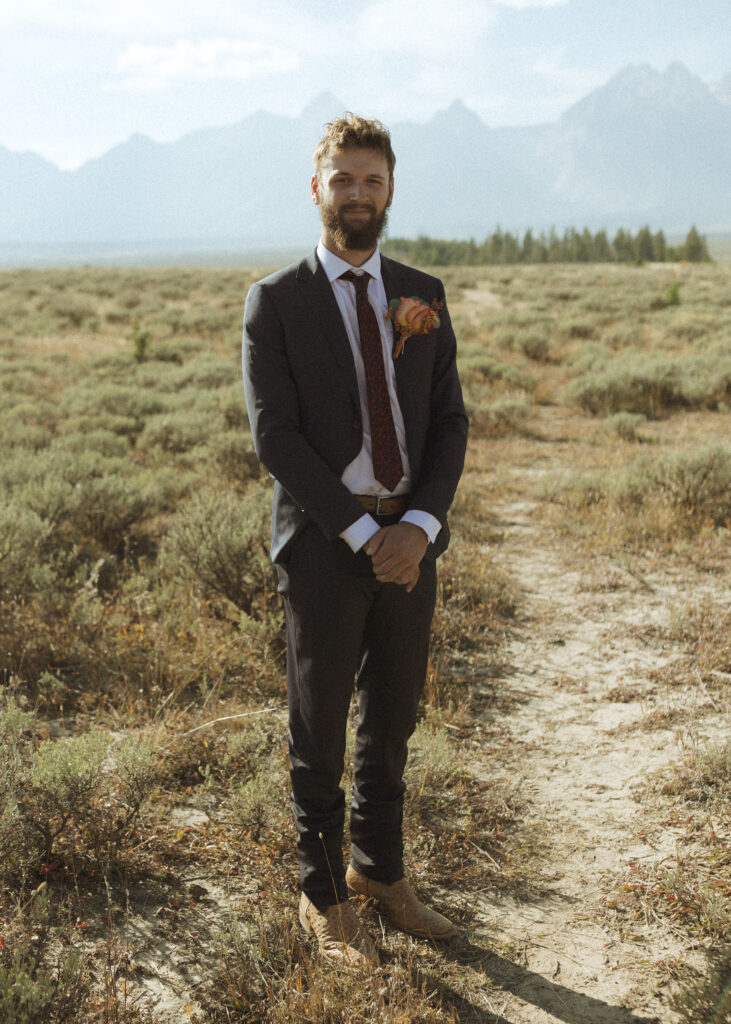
(412, 316)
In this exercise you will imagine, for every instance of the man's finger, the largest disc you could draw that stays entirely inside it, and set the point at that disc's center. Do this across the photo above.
(373, 544)
(386, 560)
(394, 568)
(410, 586)
(399, 573)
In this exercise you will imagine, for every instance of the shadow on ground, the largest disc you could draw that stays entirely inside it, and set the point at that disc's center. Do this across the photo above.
(558, 1001)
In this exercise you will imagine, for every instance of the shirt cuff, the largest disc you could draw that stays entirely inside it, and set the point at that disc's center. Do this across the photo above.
(360, 532)
(429, 523)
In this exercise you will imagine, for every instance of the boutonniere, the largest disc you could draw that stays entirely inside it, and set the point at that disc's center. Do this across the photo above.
(412, 316)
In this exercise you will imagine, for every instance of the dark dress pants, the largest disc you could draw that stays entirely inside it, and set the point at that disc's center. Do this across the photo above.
(344, 628)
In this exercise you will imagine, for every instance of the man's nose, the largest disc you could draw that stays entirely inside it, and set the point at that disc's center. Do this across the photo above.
(357, 190)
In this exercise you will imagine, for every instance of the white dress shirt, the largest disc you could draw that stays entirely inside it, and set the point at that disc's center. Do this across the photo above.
(358, 476)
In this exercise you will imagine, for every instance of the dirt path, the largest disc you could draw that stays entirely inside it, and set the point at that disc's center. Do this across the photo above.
(578, 670)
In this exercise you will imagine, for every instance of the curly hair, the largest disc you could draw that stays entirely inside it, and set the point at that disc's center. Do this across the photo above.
(352, 130)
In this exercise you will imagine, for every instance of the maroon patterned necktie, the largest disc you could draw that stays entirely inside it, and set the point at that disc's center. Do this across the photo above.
(387, 466)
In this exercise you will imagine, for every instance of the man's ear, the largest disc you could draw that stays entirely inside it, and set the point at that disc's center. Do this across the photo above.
(390, 193)
(315, 190)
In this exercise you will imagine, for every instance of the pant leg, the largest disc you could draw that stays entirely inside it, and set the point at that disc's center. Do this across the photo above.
(390, 686)
(327, 593)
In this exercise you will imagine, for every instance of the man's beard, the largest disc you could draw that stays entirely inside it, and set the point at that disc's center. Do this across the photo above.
(350, 237)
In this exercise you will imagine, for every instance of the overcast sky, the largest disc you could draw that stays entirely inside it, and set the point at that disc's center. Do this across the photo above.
(79, 76)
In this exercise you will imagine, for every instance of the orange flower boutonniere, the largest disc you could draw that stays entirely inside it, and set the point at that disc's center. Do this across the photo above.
(412, 316)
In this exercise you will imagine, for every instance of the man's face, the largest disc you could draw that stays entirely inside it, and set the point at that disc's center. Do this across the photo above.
(353, 190)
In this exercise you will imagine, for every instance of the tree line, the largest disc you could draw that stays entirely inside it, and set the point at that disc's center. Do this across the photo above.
(571, 247)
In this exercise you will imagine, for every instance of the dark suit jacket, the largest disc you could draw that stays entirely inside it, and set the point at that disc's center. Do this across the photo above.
(304, 411)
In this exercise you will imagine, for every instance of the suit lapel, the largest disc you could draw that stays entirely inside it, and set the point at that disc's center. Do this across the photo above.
(394, 290)
(319, 296)
(391, 276)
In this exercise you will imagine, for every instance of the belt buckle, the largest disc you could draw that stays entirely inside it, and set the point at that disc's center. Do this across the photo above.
(379, 499)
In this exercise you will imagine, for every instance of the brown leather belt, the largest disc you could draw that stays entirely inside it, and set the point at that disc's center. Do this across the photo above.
(384, 506)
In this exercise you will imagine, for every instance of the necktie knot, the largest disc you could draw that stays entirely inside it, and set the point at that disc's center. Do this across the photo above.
(359, 280)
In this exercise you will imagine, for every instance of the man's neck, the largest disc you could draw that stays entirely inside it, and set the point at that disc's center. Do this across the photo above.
(355, 257)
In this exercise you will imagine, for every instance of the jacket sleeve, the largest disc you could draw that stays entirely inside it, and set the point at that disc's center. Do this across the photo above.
(446, 439)
(275, 417)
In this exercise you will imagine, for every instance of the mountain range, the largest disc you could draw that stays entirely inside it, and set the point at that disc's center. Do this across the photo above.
(647, 147)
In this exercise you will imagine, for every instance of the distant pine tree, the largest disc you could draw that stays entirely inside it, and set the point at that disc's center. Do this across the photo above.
(644, 249)
(554, 247)
(659, 247)
(695, 249)
(623, 247)
(602, 248)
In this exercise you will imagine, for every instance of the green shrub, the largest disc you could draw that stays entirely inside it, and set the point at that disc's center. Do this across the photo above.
(233, 407)
(81, 794)
(499, 417)
(235, 455)
(52, 498)
(107, 443)
(533, 344)
(623, 336)
(35, 993)
(644, 385)
(24, 546)
(688, 328)
(177, 350)
(578, 328)
(483, 366)
(86, 492)
(681, 490)
(177, 431)
(221, 541)
(33, 410)
(66, 311)
(141, 343)
(257, 802)
(641, 383)
(208, 371)
(672, 293)
(706, 379)
(96, 400)
(102, 419)
(591, 357)
(624, 425)
(697, 483)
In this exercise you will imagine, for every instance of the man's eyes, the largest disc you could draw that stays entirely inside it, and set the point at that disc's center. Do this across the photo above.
(372, 182)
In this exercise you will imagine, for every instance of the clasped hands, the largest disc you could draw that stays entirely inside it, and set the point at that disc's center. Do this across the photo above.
(396, 552)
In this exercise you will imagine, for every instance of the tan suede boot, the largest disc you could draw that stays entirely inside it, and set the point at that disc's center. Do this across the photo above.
(400, 905)
(339, 933)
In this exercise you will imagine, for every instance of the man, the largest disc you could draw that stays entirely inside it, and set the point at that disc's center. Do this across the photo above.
(366, 451)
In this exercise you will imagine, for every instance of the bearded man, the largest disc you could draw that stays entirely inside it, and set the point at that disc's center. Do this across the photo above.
(366, 451)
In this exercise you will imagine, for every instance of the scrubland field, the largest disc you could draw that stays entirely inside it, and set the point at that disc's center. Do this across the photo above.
(570, 777)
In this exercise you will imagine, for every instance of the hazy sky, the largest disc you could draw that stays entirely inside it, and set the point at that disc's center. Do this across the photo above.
(79, 76)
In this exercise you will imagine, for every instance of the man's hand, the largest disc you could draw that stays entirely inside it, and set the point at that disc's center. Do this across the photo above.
(396, 551)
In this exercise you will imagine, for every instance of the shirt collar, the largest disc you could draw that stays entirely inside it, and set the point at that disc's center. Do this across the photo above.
(334, 266)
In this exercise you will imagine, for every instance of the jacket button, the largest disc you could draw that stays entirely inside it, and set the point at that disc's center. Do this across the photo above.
(357, 425)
